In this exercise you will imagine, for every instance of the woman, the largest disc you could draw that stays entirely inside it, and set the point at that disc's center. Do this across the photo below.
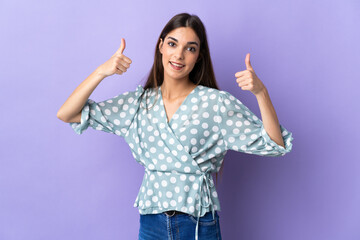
(179, 126)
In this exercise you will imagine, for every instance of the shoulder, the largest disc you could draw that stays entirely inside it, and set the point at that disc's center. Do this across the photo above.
(208, 92)
(219, 95)
(132, 95)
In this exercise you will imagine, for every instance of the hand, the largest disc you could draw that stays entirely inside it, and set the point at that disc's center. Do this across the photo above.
(248, 80)
(118, 63)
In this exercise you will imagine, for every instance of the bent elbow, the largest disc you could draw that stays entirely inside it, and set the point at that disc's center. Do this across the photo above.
(61, 117)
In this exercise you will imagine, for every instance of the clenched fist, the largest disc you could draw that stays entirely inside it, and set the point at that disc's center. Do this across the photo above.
(118, 63)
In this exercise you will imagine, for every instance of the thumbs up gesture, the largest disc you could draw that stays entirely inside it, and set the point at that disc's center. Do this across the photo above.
(248, 80)
(118, 63)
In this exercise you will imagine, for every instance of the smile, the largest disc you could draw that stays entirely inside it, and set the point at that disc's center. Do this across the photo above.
(176, 66)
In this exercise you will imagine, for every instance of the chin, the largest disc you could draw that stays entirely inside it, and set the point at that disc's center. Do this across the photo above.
(175, 75)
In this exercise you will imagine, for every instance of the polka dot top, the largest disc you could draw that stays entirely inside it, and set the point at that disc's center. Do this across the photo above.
(180, 156)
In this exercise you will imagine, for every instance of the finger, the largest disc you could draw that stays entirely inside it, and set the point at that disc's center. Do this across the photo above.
(241, 73)
(247, 62)
(119, 72)
(128, 60)
(243, 77)
(123, 62)
(243, 82)
(245, 88)
(240, 80)
(122, 46)
(121, 67)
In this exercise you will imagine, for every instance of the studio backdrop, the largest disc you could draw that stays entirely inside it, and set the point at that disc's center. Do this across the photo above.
(56, 184)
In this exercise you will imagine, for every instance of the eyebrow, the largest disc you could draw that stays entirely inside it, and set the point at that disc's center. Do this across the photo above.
(188, 42)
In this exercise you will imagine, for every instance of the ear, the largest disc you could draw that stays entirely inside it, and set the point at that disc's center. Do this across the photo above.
(160, 45)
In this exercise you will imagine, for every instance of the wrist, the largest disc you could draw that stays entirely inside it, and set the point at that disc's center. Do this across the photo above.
(262, 94)
(98, 72)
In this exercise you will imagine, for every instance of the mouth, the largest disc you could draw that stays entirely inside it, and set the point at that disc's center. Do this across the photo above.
(176, 66)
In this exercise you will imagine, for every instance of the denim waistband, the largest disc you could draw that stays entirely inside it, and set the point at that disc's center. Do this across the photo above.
(173, 213)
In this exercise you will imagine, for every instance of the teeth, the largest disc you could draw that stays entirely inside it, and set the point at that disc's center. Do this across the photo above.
(176, 64)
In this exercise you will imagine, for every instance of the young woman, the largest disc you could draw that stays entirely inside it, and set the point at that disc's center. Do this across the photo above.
(179, 126)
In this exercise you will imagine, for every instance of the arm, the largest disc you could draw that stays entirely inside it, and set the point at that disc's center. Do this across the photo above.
(269, 117)
(248, 80)
(70, 111)
(243, 131)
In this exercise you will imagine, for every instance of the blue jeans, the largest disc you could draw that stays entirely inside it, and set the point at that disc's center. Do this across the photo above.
(178, 227)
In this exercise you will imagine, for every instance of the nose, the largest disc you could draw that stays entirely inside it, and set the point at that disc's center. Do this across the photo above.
(179, 54)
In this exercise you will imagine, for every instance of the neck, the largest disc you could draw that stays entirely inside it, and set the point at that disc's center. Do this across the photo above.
(175, 89)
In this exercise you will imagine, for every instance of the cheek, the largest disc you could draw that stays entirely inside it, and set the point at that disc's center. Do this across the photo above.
(167, 52)
(193, 59)
(165, 57)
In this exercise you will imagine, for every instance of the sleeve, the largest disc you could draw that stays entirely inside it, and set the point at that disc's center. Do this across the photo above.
(243, 131)
(114, 115)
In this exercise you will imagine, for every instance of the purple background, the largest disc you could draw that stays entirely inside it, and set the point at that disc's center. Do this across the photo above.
(55, 184)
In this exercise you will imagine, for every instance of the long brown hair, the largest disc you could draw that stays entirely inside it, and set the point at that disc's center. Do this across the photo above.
(202, 73)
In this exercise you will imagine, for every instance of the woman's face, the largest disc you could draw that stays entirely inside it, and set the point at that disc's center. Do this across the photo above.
(180, 46)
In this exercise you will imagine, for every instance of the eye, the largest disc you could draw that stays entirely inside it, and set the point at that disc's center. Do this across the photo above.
(171, 43)
(192, 49)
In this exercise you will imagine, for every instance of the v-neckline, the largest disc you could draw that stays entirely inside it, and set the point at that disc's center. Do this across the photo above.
(177, 110)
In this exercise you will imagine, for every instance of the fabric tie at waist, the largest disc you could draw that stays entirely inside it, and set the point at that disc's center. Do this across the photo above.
(205, 177)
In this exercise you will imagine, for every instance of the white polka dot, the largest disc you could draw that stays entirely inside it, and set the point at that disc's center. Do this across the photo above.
(173, 203)
(191, 209)
(173, 180)
(182, 177)
(169, 194)
(164, 183)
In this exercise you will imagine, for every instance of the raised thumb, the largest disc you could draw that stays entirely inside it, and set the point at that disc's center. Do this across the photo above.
(122, 46)
(247, 62)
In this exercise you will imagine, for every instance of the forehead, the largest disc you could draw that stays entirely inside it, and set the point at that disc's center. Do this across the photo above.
(184, 34)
